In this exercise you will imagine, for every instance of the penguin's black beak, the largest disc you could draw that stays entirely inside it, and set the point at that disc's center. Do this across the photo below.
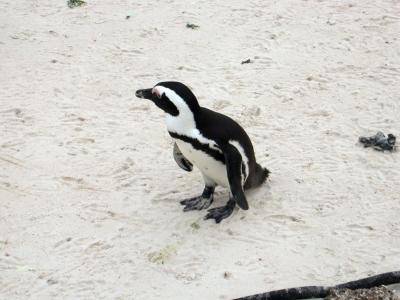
(144, 93)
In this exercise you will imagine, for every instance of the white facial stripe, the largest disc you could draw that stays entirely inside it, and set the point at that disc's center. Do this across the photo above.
(184, 123)
(245, 159)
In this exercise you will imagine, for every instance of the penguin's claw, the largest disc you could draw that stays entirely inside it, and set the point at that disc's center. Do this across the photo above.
(186, 201)
(220, 213)
(196, 203)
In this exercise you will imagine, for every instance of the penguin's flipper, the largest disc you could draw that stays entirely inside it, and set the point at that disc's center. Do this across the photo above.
(233, 161)
(181, 159)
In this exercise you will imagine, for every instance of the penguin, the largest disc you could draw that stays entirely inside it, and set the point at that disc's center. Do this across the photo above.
(216, 144)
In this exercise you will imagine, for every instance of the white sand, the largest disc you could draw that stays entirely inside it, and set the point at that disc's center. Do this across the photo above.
(89, 190)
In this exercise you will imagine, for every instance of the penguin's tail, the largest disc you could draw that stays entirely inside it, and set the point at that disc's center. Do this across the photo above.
(259, 176)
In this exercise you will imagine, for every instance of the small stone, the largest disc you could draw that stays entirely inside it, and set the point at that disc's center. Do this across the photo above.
(51, 281)
(331, 22)
(111, 213)
(227, 275)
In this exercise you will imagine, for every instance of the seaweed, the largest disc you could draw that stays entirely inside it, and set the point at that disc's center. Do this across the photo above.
(75, 3)
(163, 255)
(192, 26)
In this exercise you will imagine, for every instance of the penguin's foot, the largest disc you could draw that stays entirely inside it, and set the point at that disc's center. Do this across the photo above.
(220, 213)
(201, 202)
(197, 203)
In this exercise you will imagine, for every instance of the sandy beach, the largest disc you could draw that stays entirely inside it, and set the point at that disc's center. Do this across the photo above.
(89, 190)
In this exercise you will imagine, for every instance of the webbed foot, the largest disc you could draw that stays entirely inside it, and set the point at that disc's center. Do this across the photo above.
(201, 202)
(197, 203)
(220, 213)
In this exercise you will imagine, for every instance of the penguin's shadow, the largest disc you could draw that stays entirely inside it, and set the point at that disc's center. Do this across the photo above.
(260, 197)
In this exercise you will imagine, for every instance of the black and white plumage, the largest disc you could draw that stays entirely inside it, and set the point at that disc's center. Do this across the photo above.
(217, 145)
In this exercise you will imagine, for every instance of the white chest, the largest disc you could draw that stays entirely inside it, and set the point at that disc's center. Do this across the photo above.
(211, 168)
(185, 125)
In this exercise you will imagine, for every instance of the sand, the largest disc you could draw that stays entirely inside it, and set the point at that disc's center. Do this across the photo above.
(89, 191)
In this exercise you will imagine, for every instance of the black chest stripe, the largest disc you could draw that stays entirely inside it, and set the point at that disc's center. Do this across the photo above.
(199, 146)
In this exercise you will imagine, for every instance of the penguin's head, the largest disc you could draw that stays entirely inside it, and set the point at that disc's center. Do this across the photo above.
(173, 97)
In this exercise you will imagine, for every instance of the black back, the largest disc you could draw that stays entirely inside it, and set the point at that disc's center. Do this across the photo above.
(221, 128)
